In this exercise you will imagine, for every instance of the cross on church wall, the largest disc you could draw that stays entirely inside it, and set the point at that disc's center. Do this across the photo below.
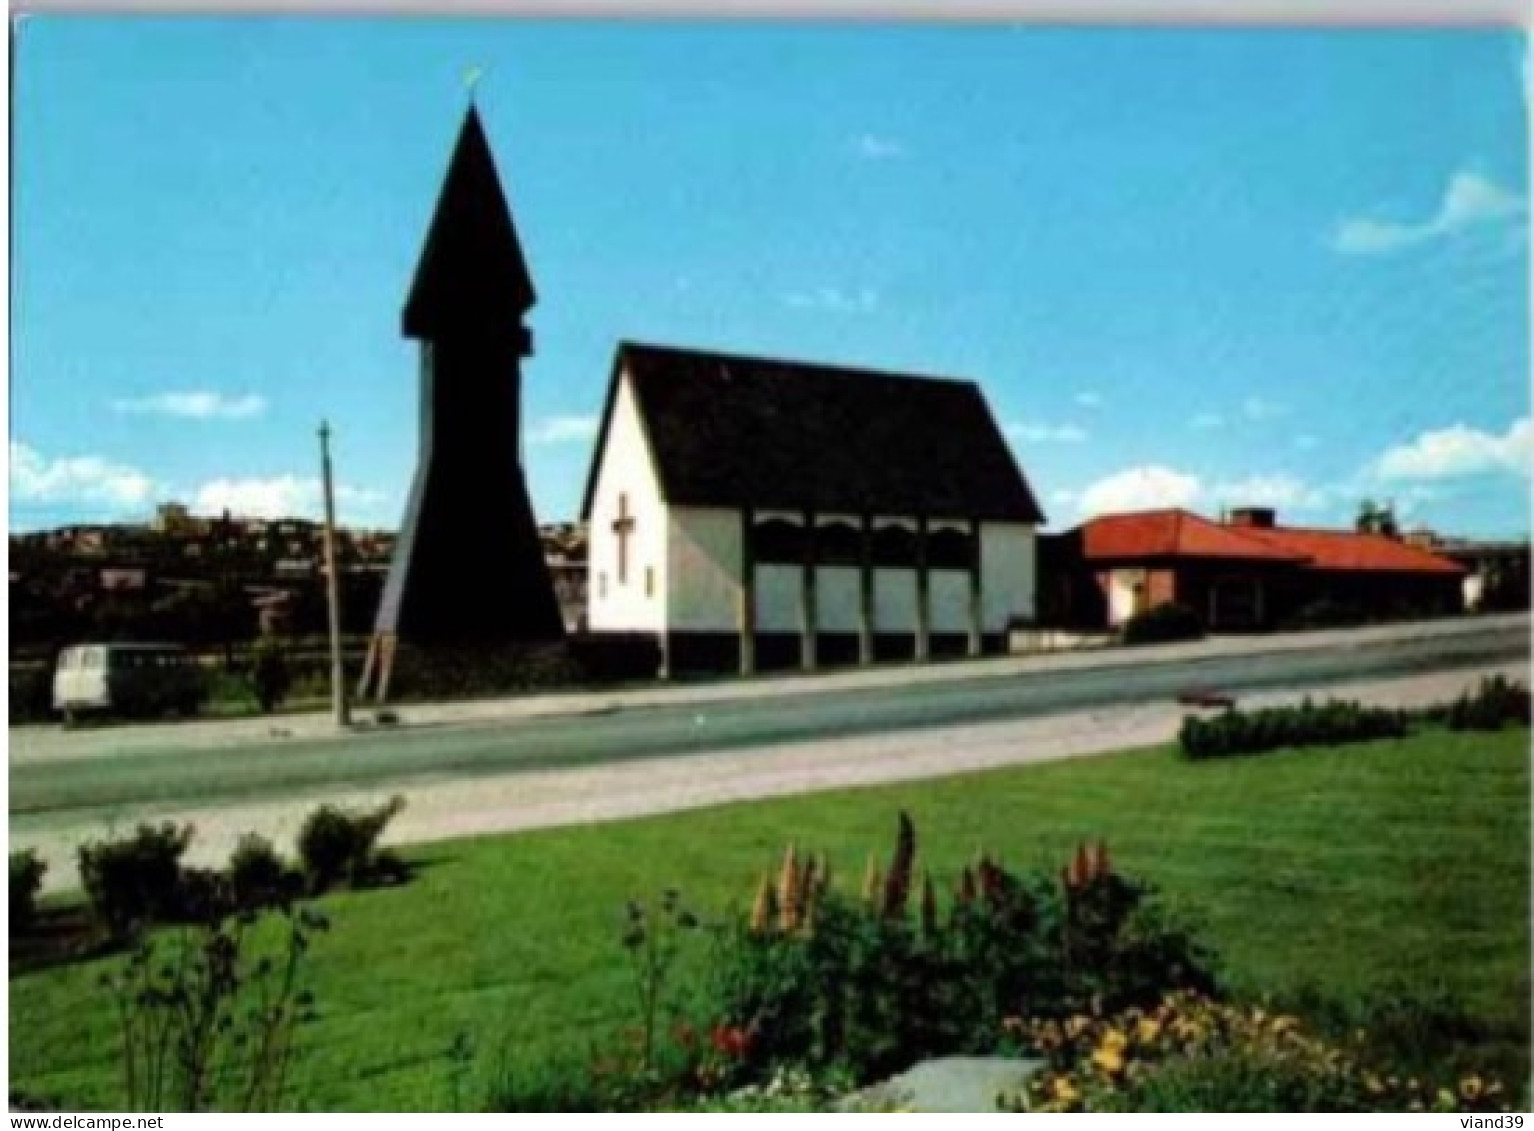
(623, 527)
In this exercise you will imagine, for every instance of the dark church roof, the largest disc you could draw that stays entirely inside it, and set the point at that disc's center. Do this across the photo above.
(471, 274)
(728, 431)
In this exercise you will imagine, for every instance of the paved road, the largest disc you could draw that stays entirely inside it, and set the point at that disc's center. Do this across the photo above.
(126, 780)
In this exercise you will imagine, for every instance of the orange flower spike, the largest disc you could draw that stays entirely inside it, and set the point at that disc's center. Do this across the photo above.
(1102, 867)
(788, 893)
(928, 906)
(967, 889)
(764, 909)
(897, 885)
(872, 882)
(1081, 866)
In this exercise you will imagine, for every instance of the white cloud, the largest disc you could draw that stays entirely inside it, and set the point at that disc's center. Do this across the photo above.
(872, 147)
(834, 299)
(196, 405)
(1138, 489)
(278, 496)
(1257, 408)
(77, 479)
(1283, 492)
(1046, 433)
(1089, 400)
(1459, 451)
(563, 429)
(1207, 422)
(1469, 201)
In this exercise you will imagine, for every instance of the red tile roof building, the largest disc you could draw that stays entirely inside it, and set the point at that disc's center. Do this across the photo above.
(1243, 573)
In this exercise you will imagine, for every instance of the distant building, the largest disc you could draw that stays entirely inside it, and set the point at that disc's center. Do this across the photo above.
(175, 518)
(124, 580)
(750, 512)
(1244, 573)
(1497, 571)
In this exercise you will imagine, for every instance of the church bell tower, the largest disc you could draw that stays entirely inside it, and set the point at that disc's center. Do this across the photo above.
(468, 570)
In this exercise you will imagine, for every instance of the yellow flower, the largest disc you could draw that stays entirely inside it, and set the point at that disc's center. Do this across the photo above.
(1075, 1026)
(1110, 1058)
(1148, 1030)
(1373, 1084)
(1064, 1090)
(1471, 1087)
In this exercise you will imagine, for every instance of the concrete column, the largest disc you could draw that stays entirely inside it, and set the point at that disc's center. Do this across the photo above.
(976, 606)
(809, 627)
(923, 595)
(866, 594)
(746, 610)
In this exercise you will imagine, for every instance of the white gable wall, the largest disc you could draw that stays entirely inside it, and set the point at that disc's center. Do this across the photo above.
(703, 569)
(1008, 573)
(627, 469)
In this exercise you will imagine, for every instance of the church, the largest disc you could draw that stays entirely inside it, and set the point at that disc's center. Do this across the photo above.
(753, 514)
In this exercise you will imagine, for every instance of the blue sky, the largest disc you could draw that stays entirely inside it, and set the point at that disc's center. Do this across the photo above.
(1197, 268)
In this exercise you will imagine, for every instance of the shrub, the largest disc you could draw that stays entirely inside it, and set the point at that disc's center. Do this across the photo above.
(270, 675)
(137, 880)
(869, 987)
(257, 875)
(341, 845)
(1254, 732)
(1189, 1053)
(26, 881)
(209, 1016)
(1163, 624)
(1495, 703)
(31, 691)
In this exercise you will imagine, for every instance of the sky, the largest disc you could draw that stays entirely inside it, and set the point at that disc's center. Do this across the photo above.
(1199, 268)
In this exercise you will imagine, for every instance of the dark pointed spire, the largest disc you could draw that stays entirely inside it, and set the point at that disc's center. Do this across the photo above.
(471, 275)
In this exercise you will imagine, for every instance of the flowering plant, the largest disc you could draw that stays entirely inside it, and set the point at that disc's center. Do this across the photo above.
(1190, 1053)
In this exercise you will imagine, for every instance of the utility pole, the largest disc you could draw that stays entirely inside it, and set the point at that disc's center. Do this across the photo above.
(333, 587)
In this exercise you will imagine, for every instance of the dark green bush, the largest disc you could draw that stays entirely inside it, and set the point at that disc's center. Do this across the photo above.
(26, 881)
(31, 689)
(339, 845)
(137, 880)
(1163, 624)
(257, 875)
(870, 987)
(1497, 702)
(1254, 732)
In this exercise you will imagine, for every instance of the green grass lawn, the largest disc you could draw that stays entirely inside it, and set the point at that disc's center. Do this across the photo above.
(1353, 870)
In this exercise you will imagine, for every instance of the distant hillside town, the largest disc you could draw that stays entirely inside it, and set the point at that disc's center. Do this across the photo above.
(211, 580)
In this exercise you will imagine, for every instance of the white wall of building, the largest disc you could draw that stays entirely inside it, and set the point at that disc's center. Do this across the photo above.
(777, 597)
(948, 597)
(627, 469)
(1122, 584)
(837, 590)
(703, 569)
(894, 600)
(1008, 573)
